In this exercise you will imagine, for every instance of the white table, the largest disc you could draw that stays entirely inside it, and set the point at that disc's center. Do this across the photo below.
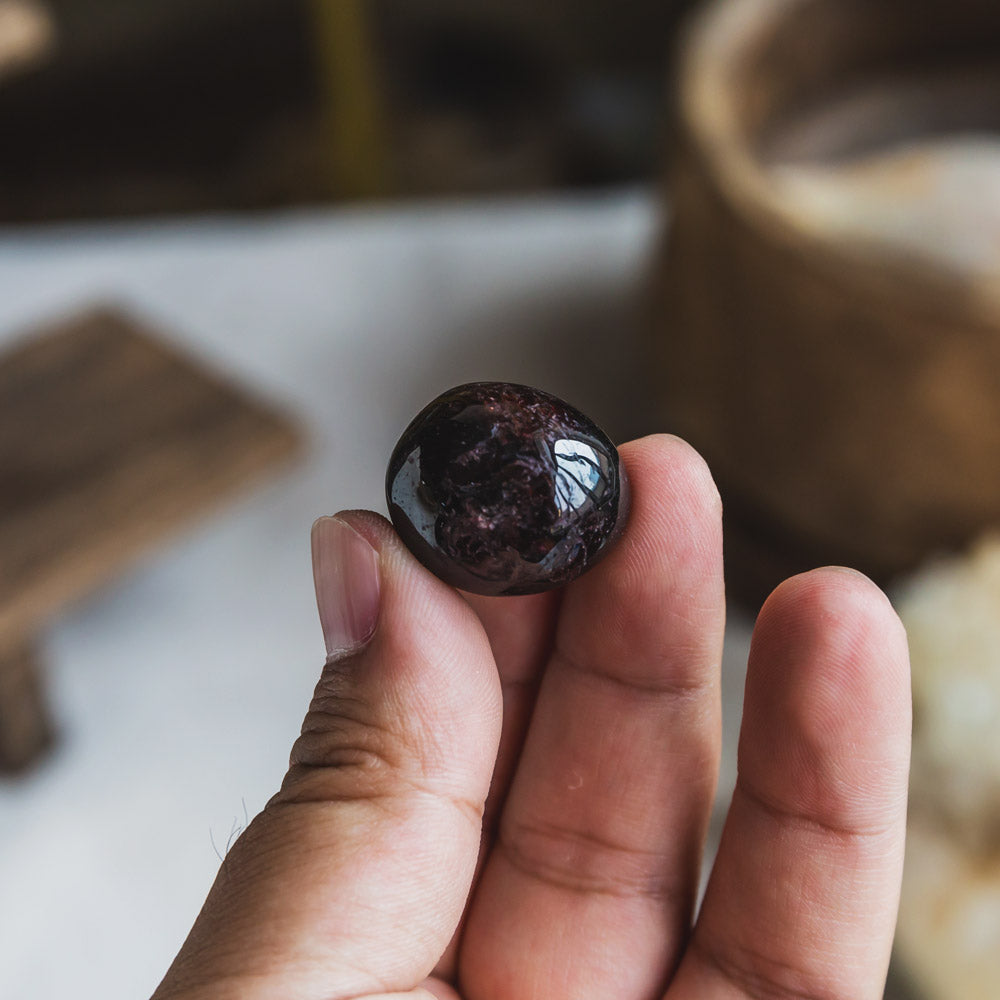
(180, 690)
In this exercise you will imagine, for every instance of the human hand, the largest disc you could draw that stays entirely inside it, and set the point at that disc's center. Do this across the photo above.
(506, 798)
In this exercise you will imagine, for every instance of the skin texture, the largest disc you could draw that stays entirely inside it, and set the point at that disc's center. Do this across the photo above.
(506, 798)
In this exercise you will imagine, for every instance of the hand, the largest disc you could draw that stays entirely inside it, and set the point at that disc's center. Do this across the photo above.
(506, 798)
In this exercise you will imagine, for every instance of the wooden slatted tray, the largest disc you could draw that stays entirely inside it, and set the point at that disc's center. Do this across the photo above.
(109, 441)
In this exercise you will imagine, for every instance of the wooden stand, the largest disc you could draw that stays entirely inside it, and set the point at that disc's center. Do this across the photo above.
(26, 730)
(109, 441)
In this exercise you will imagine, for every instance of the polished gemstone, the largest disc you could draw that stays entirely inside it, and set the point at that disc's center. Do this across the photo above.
(503, 489)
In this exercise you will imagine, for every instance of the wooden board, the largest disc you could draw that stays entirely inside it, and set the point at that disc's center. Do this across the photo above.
(109, 441)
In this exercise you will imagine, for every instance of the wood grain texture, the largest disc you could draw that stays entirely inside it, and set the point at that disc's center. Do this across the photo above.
(109, 441)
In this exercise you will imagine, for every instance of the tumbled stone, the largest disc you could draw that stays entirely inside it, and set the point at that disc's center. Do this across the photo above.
(499, 488)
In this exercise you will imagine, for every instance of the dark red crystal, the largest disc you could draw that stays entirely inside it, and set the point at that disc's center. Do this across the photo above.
(499, 488)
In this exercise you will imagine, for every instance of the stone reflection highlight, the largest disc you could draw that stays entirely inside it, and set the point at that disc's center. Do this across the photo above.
(581, 474)
(503, 489)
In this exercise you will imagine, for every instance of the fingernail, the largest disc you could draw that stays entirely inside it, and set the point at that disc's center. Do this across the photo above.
(345, 571)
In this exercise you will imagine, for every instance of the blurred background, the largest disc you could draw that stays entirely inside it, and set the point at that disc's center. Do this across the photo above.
(241, 244)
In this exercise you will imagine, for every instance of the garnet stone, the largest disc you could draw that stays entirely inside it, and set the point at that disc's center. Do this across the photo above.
(503, 489)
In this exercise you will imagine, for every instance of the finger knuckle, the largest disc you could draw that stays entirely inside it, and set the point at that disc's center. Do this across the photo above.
(584, 862)
(346, 751)
(765, 977)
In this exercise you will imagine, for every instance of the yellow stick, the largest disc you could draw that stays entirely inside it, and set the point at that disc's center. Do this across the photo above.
(358, 155)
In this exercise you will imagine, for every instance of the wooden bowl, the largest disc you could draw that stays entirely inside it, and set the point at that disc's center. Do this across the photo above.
(828, 330)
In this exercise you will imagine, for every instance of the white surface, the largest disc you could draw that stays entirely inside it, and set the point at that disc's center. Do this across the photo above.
(179, 691)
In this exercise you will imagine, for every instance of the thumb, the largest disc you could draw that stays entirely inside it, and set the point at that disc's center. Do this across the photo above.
(353, 878)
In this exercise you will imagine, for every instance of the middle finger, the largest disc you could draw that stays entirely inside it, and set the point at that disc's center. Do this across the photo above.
(590, 888)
